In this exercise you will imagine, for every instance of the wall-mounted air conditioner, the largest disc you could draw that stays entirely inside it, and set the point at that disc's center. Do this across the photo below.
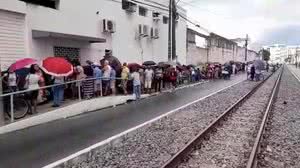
(109, 26)
(143, 30)
(156, 16)
(129, 6)
(154, 33)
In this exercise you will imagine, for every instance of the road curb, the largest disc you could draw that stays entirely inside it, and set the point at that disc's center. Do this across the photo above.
(76, 109)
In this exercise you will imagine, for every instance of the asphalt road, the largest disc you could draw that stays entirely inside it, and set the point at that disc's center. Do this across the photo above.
(47, 143)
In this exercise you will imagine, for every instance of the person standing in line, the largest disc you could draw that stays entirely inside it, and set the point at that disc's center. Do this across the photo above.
(98, 75)
(267, 67)
(33, 80)
(42, 83)
(252, 71)
(79, 76)
(106, 77)
(173, 78)
(58, 91)
(113, 81)
(12, 81)
(124, 77)
(149, 74)
(142, 79)
(233, 69)
(158, 79)
(136, 84)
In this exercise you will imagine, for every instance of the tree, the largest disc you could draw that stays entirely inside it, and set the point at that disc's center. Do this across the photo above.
(266, 55)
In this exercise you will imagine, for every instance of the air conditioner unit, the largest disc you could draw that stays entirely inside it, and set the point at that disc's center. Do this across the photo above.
(141, 33)
(156, 16)
(109, 26)
(129, 6)
(154, 33)
(143, 30)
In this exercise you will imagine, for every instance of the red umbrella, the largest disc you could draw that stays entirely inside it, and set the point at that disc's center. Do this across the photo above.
(134, 66)
(22, 63)
(57, 66)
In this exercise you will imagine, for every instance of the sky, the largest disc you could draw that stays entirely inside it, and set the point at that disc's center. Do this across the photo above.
(266, 21)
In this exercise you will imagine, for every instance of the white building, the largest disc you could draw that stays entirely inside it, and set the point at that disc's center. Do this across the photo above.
(293, 54)
(279, 53)
(75, 29)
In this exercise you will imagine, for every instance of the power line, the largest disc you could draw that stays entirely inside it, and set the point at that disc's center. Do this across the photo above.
(204, 9)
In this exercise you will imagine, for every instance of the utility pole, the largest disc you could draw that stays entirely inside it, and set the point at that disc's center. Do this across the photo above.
(172, 31)
(1, 99)
(296, 57)
(246, 47)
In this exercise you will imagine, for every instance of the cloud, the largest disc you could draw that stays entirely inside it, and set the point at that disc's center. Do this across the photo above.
(236, 18)
(288, 34)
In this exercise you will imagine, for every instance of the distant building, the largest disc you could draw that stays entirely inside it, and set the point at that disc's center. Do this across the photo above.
(293, 54)
(279, 52)
(217, 49)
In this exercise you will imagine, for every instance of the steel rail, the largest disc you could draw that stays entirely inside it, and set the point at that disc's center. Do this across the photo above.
(189, 147)
(253, 156)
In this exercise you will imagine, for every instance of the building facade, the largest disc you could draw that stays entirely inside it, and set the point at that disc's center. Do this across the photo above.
(135, 32)
(218, 49)
(279, 52)
(195, 54)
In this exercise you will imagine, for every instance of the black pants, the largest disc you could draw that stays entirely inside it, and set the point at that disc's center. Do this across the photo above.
(157, 85)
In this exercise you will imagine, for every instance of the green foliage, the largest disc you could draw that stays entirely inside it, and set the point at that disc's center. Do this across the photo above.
(266, 55)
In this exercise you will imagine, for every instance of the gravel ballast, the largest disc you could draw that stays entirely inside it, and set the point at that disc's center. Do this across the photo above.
(281, 142)
(230, 146)
(152, 145)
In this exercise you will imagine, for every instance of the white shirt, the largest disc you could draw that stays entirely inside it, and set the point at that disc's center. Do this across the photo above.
(12, 79)
(136, 78)
(33, 81)
(106, 73)
(149, 74)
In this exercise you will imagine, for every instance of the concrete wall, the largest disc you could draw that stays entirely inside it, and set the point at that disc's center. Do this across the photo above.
(196, 55)
(251, 56)
(13, 6)
(80, 18)
(221, 55)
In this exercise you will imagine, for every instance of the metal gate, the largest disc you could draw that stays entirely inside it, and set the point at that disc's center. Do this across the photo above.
(12, 38)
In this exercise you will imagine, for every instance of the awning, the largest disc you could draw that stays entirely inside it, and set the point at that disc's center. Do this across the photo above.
(47, 34)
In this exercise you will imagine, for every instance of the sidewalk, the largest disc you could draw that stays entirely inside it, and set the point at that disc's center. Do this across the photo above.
(72, 108)
(295, 71)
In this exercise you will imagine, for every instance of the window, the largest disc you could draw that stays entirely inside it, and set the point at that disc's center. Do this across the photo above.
(46, 3)
(165, 20)
(69, 53)
(143, 11)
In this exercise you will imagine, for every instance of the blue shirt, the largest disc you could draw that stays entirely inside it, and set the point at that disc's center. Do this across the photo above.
(113, 74)
(97, 73)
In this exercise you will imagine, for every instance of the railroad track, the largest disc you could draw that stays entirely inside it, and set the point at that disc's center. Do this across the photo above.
(236, 133)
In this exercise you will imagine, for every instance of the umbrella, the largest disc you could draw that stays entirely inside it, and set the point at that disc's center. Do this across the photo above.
(163, 65)
(22, 63)
(179, 67)
(259, 64)
(149, 63)
(22, 72)
(113, 62)
(57, 66)
(132, 66)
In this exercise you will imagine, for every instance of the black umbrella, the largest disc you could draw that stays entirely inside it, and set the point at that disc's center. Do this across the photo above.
(149, 63)
(259, 64)
(113, 62)
(163, 65)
